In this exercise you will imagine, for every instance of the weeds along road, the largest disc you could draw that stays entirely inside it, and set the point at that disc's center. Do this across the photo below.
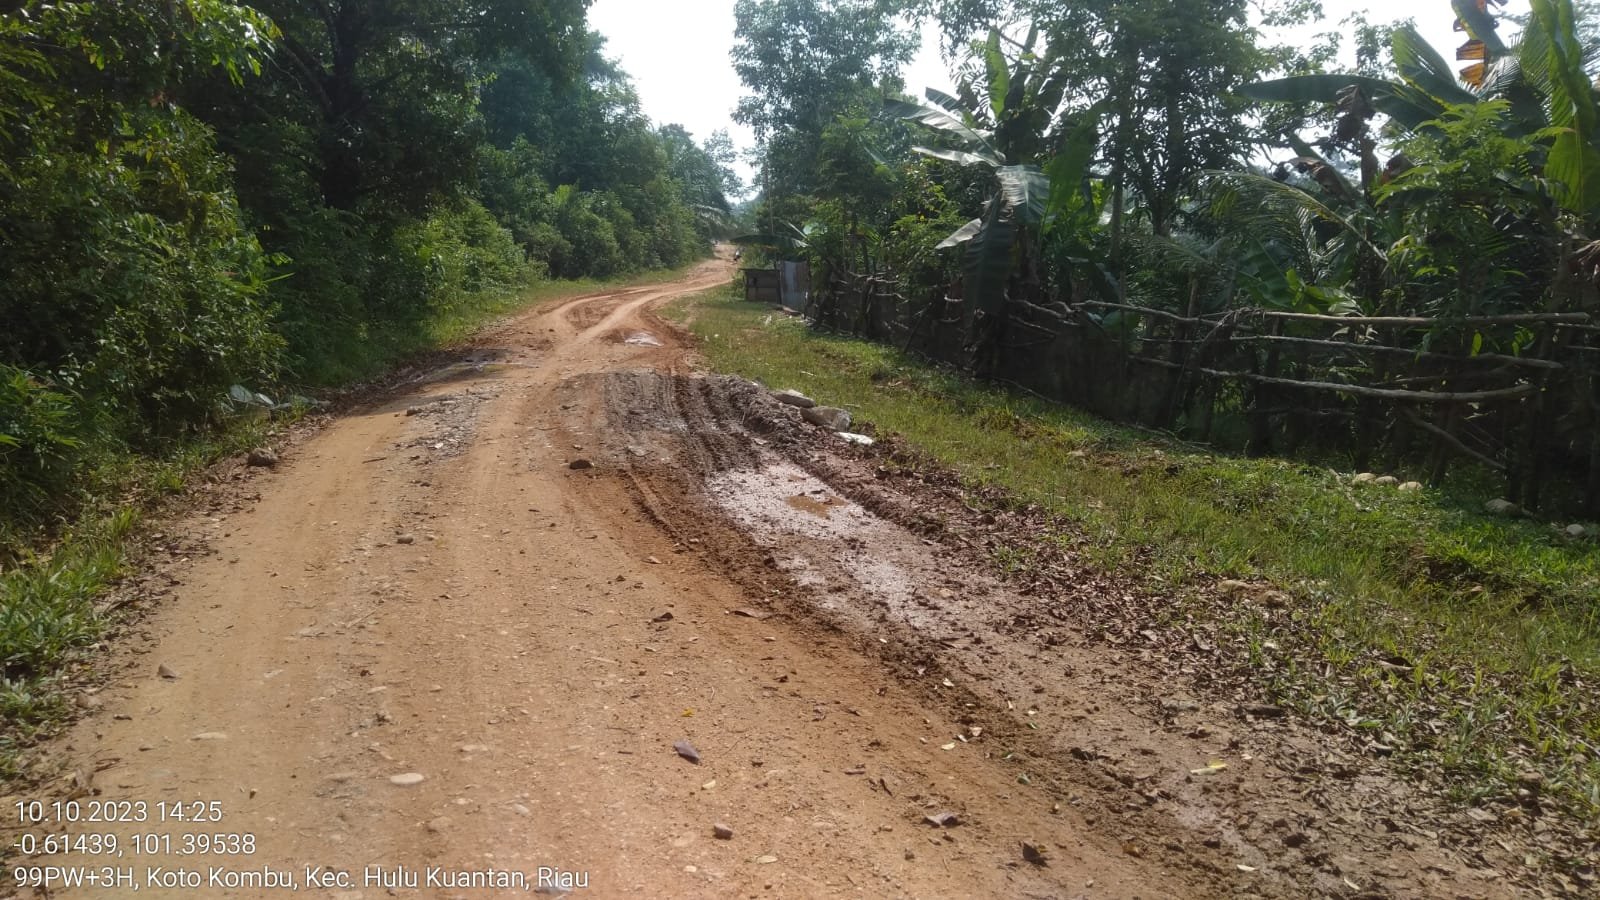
(434, 658)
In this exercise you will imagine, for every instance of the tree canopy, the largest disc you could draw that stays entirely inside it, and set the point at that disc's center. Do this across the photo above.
(197, 195)
(1121, 165)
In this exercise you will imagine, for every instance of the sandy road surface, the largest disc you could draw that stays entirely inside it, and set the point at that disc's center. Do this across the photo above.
(426, 588)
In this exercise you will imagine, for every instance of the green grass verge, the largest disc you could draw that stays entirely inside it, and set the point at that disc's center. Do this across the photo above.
(50, 586)
(343, 358)
(47, 613)
(1495, 622)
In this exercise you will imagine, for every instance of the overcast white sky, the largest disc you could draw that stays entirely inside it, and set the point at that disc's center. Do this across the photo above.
(678, 53)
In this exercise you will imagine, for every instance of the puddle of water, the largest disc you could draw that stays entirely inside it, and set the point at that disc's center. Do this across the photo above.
(810, 504)
(643, 339)
(467, 370)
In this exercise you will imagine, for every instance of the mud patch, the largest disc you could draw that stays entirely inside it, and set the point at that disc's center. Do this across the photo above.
(699, 425)
(478, 363)
(583, 316)
(899, 559)
(814, 506)
(444, 426)
(766, 500)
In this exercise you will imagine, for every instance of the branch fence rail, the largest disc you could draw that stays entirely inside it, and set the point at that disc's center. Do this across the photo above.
(1388, 390)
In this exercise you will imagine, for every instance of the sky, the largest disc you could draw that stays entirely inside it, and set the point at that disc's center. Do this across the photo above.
(678, 53)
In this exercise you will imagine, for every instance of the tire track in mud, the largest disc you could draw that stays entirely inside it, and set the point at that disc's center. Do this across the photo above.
(728, 462)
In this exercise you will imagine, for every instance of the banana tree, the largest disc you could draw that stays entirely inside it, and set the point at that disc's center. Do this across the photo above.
(1542, 77)
(1426, 87)
(1424, 94)
(1552, 62)
(1520, 73)
(788, 240)
(1008, 131)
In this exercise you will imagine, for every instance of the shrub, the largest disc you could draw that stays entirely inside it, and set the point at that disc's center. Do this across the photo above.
(128, 269)
(457, 253)
(594, 249)
(40, 441)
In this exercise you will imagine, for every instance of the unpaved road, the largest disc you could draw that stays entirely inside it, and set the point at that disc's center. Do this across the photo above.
(426, 587)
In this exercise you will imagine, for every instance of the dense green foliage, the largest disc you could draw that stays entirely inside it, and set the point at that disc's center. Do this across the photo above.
(135, 294)
(806, 63)
(200, 194)
(1124, 165)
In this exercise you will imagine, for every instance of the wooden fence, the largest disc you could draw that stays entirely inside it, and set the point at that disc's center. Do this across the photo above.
(1267, 381)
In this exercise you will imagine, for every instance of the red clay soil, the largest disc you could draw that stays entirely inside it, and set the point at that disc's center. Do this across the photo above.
(474, 631)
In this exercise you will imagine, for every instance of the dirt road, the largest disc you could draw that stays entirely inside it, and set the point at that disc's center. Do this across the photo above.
(425, 646)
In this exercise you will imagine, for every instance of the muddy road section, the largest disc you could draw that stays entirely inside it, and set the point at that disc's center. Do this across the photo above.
(565, 616)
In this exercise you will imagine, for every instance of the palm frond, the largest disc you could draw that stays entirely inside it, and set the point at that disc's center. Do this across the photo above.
(1254, 202)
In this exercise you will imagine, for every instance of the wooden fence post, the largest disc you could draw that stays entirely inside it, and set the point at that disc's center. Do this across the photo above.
(1261, 396)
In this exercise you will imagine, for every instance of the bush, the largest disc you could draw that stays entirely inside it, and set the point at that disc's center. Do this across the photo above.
(40, 441)
(129, 272)
(436, 265)
(592, 239)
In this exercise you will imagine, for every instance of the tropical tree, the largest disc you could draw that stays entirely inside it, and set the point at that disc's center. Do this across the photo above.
(1007, 127)
(1539, 91)
(1163, 77)
(804, 62)
(130, 273)
(385, 90)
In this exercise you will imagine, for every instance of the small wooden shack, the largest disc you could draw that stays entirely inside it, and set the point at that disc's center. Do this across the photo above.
(787, 285)
(762, 286)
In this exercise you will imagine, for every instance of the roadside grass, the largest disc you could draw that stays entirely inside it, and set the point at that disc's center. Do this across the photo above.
(375, 348)
(1470, 643)
(51, 584)
(47, 613)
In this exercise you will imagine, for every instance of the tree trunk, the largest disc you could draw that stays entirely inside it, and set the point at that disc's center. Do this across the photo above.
(1536, 431)
(341, 160)
(1441, 450)
(1181, 352)
(1116, 234)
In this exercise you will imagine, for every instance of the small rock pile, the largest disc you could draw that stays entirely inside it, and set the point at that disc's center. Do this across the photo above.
(1407, 487)
(832, 418)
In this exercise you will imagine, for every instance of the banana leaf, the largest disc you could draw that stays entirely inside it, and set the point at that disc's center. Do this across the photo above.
(940, 120)
(950, 104)
(1480, 25)
(1068, 172)
(1306, 150)
(959, 157)
(1021, 79)
(1422, 66)
(1315, 88)
(994, 63)
(1556, 60)
(1026, 190)
(961, 235)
